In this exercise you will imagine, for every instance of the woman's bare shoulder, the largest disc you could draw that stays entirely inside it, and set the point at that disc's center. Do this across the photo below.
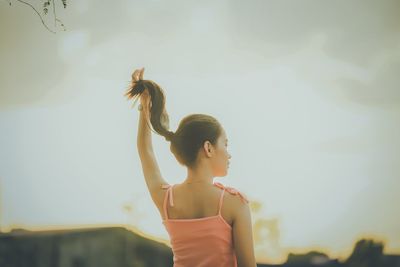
(234, 194)
(234, 200)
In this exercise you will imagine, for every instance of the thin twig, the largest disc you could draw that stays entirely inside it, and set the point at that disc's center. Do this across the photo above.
(37, 13)
(62, 24)
(54, 12)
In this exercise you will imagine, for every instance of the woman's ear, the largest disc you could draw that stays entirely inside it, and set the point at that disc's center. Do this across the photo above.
(207, 148)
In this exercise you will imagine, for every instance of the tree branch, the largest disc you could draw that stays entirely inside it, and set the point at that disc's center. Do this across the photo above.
(55, 17)
(38, 14)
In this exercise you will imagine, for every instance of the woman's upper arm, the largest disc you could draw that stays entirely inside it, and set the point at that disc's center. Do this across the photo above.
(243, 235)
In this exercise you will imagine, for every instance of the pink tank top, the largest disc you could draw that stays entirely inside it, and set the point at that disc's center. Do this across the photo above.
(201, 242)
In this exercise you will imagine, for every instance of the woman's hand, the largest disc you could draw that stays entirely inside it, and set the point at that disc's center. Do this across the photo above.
(137, 75)
(146, 103)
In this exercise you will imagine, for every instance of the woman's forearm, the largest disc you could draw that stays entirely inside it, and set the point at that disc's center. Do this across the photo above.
(144, 141)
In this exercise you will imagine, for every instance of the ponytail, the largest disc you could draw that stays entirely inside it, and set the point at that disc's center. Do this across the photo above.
(192, 132)
(158, 114)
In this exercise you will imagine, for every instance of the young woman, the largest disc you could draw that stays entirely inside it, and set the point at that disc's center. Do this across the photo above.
(207, 228)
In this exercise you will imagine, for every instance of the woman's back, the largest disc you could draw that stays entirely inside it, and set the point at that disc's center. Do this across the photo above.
(198, 235)
(201, 228)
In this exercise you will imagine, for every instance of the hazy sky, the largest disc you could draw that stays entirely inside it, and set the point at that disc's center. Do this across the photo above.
(308, 93)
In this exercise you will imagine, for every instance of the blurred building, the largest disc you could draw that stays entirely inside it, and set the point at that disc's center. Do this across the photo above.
(98, 247)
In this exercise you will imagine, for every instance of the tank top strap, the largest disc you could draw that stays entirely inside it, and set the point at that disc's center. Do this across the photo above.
(221, 198)
(233, 191)
(167, 195)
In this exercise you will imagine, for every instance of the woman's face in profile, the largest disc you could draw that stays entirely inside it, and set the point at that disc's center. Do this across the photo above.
(222, 156)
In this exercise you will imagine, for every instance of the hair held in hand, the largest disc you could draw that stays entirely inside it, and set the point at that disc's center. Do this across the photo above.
(192, 132)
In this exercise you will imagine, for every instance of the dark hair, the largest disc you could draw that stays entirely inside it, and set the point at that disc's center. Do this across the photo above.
(192, 132)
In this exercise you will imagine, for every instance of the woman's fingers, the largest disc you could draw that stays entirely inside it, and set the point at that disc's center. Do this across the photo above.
(141, 73)
(136, 75)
